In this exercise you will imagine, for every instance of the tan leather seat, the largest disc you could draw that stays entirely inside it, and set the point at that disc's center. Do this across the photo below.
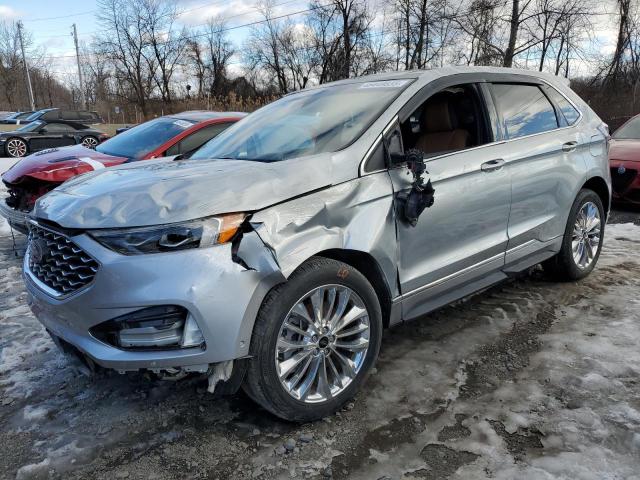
(439, 134)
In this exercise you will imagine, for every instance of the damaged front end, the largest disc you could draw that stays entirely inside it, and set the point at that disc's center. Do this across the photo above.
(21, 199)
(179, 311)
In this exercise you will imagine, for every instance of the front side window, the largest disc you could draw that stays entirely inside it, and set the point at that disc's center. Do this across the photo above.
(630, 130)
(309, 122)
(142, 139)
(58, 128)
(450, 120)
(31, 127)
(524, 109)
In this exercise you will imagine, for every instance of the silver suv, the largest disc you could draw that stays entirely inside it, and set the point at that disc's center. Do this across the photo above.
(276, 255)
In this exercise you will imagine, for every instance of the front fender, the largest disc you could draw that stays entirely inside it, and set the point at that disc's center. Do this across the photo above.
(355, 215)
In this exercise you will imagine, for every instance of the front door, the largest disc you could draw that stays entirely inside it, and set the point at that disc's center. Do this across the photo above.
(53, 135)
(459, 243)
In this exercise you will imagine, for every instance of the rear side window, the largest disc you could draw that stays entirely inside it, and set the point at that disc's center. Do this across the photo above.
(524, 109)
(568, 111)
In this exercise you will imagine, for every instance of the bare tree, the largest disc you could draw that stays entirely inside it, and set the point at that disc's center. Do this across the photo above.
(123, 43)
(11, 65)
(165, 42)
(625, 62)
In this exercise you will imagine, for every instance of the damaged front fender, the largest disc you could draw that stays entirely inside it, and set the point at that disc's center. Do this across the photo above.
(356, 216)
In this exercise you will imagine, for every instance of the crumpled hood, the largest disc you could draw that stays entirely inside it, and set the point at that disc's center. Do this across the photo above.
(625, 150)
(60, 164)
(167, 191)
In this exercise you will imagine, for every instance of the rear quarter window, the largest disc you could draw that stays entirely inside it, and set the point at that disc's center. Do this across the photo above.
(524, 109)
(568, 111)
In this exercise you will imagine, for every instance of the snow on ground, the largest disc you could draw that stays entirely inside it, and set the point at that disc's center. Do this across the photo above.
(529, 380)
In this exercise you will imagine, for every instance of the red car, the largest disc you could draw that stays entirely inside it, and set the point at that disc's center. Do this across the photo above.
(624, 161)
(34, 175)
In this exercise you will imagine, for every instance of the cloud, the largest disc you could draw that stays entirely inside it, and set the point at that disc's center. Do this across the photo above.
(234, 10)
(8, 13)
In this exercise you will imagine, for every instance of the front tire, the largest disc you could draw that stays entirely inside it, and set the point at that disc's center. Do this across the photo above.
(90, 142)
(315, 340)
(582, 241)
(16, 147)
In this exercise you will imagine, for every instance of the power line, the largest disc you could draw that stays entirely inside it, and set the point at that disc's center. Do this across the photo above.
(236, 27)
(61, 16)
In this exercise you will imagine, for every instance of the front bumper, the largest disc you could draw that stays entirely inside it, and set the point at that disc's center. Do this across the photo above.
(222, 295)
(625, 179)
(16, 219)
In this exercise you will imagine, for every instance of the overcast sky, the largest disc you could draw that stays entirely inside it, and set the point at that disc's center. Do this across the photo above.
(49, 22)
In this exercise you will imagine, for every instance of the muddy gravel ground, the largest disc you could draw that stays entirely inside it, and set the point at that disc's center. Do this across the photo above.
(530, 379)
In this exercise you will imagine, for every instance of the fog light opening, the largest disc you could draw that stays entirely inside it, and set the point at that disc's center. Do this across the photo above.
(162, 327)
(192, 335)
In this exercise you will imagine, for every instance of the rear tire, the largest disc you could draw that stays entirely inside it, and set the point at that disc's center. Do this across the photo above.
(304, 393)
(582, 241)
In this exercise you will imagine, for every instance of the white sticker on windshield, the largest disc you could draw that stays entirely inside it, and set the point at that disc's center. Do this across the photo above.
(385, 84)
(182, 123)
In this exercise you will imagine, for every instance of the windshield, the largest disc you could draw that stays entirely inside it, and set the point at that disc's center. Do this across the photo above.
(306, 123)
(630, 130)
(138, 141)
(31, 127)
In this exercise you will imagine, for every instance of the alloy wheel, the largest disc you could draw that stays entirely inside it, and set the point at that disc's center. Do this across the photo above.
(322, 343)
(16, 147)
(89, 142)
(586, 235)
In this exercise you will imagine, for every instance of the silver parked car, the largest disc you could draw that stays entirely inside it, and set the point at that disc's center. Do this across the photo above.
(276, 255)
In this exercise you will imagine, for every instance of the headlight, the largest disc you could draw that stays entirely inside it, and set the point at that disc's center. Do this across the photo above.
(201, 233)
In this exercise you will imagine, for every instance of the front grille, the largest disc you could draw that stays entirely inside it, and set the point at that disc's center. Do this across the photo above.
(621, 181)
(58, 262)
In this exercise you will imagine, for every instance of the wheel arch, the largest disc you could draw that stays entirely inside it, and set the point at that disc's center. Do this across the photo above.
(366, 264)
(600, 186)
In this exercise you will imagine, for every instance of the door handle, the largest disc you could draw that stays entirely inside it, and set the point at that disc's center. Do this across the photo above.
(569, 146)
(492, 165)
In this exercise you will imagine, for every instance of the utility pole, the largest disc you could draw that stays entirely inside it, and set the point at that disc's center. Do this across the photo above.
(82, 93)
(26, 67)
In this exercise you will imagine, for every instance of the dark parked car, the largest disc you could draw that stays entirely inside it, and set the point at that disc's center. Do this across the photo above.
(40, 134)
(51, 114)
(16, 118)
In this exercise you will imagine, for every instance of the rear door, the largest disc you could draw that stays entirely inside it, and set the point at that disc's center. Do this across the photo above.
(543, 155)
